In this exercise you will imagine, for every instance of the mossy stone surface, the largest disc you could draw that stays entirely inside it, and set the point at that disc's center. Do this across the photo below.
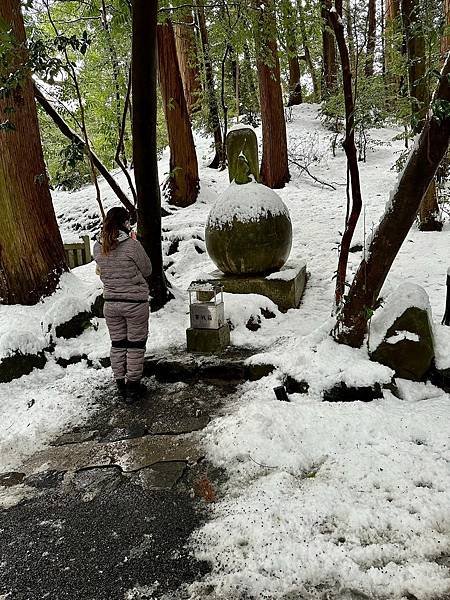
(242, 154)
(259, 246)
(408, 358)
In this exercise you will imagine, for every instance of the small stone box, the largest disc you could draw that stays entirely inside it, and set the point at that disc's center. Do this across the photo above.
(208, 332)
(207, 309)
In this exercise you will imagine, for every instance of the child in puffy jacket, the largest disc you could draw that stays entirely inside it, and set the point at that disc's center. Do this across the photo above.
(124, 269)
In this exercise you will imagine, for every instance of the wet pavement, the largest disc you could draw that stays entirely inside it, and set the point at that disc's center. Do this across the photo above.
(110, 506)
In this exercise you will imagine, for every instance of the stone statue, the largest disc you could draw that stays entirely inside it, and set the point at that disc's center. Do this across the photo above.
(249, 229)
(242, 154)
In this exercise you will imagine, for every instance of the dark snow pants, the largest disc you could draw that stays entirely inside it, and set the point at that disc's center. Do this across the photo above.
(128, 328)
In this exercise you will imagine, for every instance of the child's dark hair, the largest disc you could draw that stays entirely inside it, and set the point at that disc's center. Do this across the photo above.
(114, 223)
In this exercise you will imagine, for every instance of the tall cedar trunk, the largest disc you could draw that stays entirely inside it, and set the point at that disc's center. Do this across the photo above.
(445, 42)
(329, 52)
(419, 91)
(66, 130)
(290, 32)
(183, 182)
(350, 35)
(308, 59)
(295, 86)
(418, 174)
(248, 71)
(274, 164)
(213, 107)
(392, 44)
(144, 78)
(31, 250)
(371, 33)
(188, 61)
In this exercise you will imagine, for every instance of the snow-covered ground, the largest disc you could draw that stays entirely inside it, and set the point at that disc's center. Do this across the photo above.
(323, 500)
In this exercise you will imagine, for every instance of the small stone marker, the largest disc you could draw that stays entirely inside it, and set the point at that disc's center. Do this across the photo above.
(208, 332)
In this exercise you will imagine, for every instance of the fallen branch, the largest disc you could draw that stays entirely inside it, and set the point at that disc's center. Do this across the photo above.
(308, 172)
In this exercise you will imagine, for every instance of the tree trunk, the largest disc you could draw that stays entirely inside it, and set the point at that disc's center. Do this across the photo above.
(274, 164)
(371, 37)
(419, 92)
(250, 78)
(392, 45)
(445, 41)
(66, 130)
(213, 107)
(308, 59)
(329, 52)
(350, 35)
(353, 211)
(183, 182)
(295, 86)
(188, 62)
(418, 174)
(289, 26)
(31, 250)
(144, 50)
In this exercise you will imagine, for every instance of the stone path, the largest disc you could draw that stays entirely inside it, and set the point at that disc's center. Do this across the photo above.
(111, 505)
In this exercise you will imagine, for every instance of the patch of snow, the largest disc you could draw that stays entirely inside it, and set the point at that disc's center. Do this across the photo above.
(246, 203)
(333, 497)
(402, 335)
(26, 329)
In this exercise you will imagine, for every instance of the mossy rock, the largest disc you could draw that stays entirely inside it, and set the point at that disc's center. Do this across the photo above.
(249, 230)
(242, 154)
(412, 354)
(18, 364)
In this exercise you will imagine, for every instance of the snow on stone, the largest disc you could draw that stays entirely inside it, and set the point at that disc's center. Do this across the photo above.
(239, 126)
(288, 272)
(249, 202)
(402, 335)
(405, 296)
(26, 329)
(442, 346)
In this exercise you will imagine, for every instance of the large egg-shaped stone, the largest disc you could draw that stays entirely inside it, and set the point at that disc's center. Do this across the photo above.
(249, 230)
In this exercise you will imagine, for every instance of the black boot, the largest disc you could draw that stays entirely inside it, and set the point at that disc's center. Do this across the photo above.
(135, 391)
(121, 388)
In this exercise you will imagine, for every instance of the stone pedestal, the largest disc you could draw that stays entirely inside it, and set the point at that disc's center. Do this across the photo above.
(285, 287)
(208, 341)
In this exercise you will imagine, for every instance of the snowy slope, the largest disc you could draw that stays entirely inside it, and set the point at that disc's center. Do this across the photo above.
(323, 500)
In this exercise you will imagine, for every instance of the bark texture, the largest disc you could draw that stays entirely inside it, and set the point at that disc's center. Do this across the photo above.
(418, 83)
(329, 52)
(371, 37)
(445, 42)
(188, 61)
(183, 182)
(274, 164)
(213, 107)
(295, 86)
(31, 250)
(144, 80)
(420, 169)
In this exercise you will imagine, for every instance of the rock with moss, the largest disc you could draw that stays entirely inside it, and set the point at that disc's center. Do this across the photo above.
(242, 154)
(403, 333)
